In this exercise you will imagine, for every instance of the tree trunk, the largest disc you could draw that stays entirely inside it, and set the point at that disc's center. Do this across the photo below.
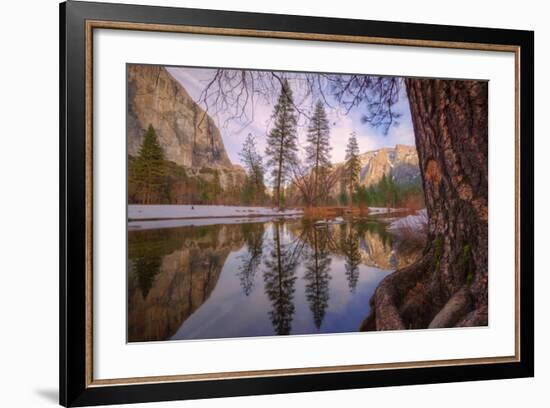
(447, 287)
(279, 175)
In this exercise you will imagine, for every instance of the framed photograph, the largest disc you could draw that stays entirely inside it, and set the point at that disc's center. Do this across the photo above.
(256, 203)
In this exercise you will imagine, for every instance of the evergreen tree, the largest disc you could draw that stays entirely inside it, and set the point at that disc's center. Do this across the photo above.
(254, 166)
(318, 147)
(353, 165)
(282, 141)
(148, 167)
(362, 196)
(387, 193)
(343, 198)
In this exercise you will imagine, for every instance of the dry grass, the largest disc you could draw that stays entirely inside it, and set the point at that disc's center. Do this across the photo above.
(331, 212)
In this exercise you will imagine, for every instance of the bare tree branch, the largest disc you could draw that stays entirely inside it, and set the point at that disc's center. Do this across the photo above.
(235, 91)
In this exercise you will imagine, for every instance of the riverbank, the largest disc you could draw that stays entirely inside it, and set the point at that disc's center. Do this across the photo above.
(167, 212)
(173, 216)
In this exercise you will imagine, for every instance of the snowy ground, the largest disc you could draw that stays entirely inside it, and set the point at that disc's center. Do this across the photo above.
(385, 210)
(414, 222)
(172, 216)
(164, 212)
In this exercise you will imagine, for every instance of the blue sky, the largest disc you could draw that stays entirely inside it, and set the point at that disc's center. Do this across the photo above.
(234, 132)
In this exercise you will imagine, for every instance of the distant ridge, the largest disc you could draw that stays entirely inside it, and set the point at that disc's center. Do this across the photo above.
(399, 163)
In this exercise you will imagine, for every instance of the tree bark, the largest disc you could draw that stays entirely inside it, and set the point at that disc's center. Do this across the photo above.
(447, 287)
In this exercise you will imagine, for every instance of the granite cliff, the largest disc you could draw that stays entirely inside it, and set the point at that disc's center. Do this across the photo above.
(188, 136)
(399, 163)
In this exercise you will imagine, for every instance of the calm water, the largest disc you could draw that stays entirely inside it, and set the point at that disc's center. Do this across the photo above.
(257, 279)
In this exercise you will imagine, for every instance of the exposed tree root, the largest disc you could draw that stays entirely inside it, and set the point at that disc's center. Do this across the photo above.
(409, 299)
(385, 304)
(456, 308)
(477, 317)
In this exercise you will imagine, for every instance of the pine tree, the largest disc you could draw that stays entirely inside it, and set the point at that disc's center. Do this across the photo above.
(353, 164)
(282, 141)
(318, 147)
(148, 168)
(253, 163)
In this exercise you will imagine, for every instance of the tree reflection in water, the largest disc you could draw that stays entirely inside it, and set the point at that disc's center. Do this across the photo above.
(317, 271)
(349, 241)
(280, 278)
(146, 269)
(251, 261)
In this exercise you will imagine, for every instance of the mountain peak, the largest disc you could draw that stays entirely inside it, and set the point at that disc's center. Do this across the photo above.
(400, 163)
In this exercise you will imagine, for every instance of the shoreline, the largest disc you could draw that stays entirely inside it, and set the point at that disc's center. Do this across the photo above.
(144, 217)
(215, 216)
(140, 212)
(158, 212)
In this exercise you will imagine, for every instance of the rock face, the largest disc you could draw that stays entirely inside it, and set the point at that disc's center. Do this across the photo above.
(400, 164)
(188, 136)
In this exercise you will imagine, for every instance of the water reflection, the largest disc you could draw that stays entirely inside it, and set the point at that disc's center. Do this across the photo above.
(280, 279)
(254, 237)
(274, 278)
(171, 273)
(317, 272)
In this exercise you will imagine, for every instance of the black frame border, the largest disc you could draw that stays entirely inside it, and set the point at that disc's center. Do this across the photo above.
(72, 176)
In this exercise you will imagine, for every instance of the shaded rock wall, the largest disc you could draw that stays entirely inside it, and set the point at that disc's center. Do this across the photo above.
(187, 134)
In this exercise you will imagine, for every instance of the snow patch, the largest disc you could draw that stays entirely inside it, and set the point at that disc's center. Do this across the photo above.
(164, 212)
(415, 221)
(385, 210)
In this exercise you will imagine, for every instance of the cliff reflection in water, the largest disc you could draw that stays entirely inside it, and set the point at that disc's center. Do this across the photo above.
(275, 278)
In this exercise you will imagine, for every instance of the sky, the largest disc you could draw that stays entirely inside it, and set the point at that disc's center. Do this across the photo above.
(234, 132)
